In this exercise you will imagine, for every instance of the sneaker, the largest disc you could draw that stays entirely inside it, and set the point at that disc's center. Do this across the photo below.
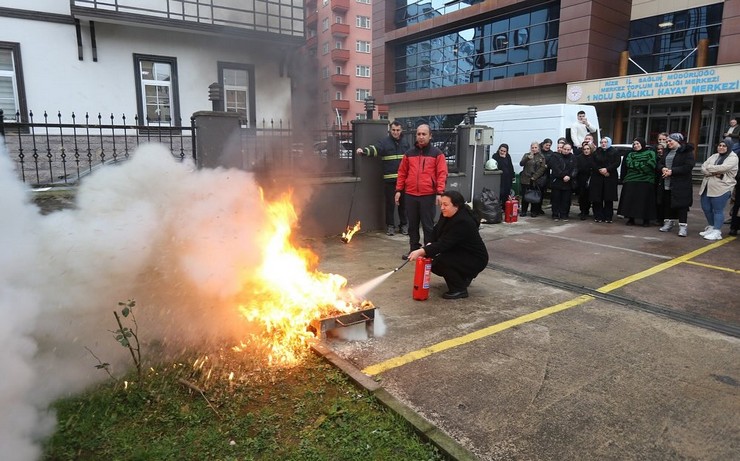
(667, 225)
(683, 230)
(714, 234)
(404, 229)
(389, 230)
(706, 231)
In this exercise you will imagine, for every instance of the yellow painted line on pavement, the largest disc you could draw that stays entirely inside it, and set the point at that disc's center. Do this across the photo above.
(470, 337)
(711, 266)
(413, 356)
(660, 267)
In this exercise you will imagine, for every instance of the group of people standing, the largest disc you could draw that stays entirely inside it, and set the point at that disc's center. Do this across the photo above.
(656, 182)
(415, 178)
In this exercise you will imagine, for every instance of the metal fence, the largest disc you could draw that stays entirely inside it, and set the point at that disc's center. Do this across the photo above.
(445, 139)
(277, 148)
(55, 152)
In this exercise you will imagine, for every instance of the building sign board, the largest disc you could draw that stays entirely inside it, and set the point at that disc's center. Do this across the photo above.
(688, 82)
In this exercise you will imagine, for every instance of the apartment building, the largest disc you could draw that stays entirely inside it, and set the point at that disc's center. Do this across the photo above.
(676, 63)
(339, 61)
(151, 59)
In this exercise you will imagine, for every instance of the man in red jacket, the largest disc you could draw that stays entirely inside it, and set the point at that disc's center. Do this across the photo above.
(422, 176)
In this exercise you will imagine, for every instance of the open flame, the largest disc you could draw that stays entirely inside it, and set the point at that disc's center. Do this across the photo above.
(347, 235)
(288, 292)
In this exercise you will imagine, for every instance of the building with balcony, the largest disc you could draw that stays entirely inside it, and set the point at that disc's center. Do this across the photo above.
(433, 60)
(339, 47)
(154, 60)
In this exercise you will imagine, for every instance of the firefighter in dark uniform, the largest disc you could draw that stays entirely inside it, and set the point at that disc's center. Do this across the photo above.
(391, 150)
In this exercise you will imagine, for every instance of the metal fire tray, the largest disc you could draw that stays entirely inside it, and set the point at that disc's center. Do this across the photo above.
(321, 326)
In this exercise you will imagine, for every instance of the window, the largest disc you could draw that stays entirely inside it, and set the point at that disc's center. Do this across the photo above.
(338, 95)
(666, 42)
(338, 45)
(367, 2)
(325, 24)
(362, 46)
(338, 70)
(361, 116)
(524, 42)
(325, 96)
(12, 94)
(362, 71)
(363, 22)
(339, 20)
(361, 94)
(325, 48)
(324, 72)
(156, 85)
(238, 89)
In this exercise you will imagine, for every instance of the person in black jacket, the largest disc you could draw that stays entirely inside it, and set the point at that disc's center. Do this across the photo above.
(563, 171)
(503, 159)
(457, 250)
(676, 168)
(604, 181)
(391, 150)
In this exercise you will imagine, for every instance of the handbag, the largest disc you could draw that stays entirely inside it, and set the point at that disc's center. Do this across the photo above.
(533, 195)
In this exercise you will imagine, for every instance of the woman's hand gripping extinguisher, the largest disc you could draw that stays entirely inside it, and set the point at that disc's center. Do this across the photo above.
(422, 275)
(511, 210)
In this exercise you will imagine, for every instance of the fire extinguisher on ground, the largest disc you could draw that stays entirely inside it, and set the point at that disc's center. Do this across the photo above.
(422, 275)
(511, 210)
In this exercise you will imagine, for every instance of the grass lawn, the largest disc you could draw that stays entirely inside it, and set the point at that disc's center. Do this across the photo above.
(230, 407)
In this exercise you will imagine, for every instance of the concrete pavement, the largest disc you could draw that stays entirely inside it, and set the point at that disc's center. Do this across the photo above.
(581, 341)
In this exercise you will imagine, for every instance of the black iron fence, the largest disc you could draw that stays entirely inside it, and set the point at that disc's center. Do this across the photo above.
(58, 152)
(279, 149)
(445, 139)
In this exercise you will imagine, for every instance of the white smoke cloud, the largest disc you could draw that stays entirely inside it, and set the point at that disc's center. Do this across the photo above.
(178, 240)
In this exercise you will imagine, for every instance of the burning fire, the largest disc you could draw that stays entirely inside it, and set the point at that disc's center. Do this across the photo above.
(288, 292)
(347, 235)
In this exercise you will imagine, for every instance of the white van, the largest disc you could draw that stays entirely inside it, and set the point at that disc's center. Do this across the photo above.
(518, 126)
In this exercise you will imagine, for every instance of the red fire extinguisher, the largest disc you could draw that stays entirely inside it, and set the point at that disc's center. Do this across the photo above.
(422, 274)
(511, 211)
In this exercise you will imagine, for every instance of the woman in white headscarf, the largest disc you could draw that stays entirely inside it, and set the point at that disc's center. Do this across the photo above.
(604, 180)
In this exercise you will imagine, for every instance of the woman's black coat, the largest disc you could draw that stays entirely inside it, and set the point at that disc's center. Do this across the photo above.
(458, 241)
(507, 176)
(682, 192)
(604, 188)
(560, 167)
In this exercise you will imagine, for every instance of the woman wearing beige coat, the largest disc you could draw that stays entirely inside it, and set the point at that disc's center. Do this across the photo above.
(719, 172)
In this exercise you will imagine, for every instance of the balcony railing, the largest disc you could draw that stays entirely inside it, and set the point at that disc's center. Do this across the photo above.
(340, 80)
(339, 55)
(340, 104)
(340, 6)
(283, 17)
(339, 30)
(312, 19)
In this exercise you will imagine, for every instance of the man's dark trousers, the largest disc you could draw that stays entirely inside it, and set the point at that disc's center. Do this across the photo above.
(420, 210)
(389, 193)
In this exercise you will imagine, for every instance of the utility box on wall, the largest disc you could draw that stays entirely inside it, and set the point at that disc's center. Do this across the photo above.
(481, 136)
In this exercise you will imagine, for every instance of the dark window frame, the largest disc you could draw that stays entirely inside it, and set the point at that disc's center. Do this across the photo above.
(175, 107)
(15, 48)
(251, 92)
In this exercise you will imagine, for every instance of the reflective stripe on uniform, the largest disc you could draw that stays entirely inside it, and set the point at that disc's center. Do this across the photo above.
(393, 157)
(390, 176)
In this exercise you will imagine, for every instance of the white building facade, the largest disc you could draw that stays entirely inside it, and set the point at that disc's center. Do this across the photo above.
(152, 59)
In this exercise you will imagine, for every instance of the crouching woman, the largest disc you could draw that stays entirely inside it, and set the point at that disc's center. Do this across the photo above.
(457, 250)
